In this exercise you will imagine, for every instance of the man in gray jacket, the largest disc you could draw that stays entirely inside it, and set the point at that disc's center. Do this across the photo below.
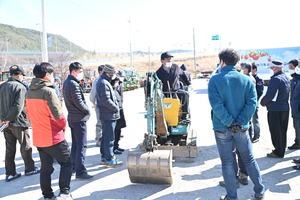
(94, 101)
(109, 109)
(12, 113)
(78, 115)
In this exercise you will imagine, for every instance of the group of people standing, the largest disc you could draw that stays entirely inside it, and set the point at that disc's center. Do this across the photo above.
(44, 110)
(234, 100)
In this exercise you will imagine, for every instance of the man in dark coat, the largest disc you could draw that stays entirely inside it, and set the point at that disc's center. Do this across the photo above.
(259, 91)
(109, 109)
(277, 102)
(78, 115)
(12, 113)
(169, 73)
(294, 82)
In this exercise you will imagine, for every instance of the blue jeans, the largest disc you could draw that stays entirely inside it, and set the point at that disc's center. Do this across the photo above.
(108, 139)
(255, 123)
(98, 124)
(224, 139)
(296, 123)
(79, 145)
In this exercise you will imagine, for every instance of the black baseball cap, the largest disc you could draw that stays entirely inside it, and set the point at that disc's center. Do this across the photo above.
(15, 69)
(100, 68)
(165, 55)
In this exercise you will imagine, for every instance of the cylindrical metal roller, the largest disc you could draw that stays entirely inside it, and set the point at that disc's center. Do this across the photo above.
(150, 167)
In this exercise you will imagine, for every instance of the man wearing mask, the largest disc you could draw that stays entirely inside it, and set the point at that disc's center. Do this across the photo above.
(12, 113)
(292, 66)
(169, 73)
(276, 101)
(109, 109)
(48, 124)
(78, 115)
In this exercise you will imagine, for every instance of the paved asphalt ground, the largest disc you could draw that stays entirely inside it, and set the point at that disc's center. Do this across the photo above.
(195, 178)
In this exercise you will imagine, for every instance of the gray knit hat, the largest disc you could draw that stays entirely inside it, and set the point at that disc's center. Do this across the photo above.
(110, 69)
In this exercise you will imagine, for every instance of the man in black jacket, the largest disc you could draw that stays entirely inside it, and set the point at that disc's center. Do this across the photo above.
(12, 113)
(296, 77)
(78, 115)
(259, 91)
(169, 73)
(110, 113)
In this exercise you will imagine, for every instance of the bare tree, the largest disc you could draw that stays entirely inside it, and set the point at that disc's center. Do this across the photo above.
(61, 62)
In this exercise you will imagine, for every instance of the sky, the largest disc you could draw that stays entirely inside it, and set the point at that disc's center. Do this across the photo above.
(161, 25)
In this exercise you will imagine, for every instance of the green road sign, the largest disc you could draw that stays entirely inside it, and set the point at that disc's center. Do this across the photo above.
(215, 37)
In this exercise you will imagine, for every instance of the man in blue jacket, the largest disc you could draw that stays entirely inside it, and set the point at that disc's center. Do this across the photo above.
(78, 115)
(233, 100)
(109, 109)
(277, 102)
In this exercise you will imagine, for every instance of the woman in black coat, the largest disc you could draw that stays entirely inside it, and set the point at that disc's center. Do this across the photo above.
(121, 122)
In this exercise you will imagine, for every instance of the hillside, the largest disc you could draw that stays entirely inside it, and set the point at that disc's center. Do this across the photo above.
(21, 39)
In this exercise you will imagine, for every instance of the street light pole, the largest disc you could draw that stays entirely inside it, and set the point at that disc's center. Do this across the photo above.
(130, 44)
(195, 65)
(45, 48)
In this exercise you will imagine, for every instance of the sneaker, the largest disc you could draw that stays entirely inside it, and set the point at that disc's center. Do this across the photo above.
(11, 177)
(224, 198)
(243, 178)
(52, 198)
(114, 163)
(36, 171)
(103, 161)
(85, 176)
(120, 149)
(255, 139)
(117, 151)
(222, 184)
(259, 196)
(63, 196)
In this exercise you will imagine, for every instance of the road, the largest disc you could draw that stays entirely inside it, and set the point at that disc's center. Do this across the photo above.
(195, 178)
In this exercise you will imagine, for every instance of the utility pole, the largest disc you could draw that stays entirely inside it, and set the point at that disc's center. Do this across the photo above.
(195, 65)
(149, 59)
(45, 48)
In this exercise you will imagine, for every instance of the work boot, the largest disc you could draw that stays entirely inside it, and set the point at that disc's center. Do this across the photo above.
(243, 178)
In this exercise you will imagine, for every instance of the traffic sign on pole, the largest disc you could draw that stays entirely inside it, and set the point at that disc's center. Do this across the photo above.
(215, 37)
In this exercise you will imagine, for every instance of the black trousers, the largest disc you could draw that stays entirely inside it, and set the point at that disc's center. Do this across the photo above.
(61, 153)
(12, 135)
(278, 124)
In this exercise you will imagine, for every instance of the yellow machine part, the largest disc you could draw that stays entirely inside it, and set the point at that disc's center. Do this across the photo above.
(150, 167)
(171, 110)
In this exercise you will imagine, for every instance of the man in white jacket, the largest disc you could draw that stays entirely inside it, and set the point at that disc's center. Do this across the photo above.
(93, 99)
